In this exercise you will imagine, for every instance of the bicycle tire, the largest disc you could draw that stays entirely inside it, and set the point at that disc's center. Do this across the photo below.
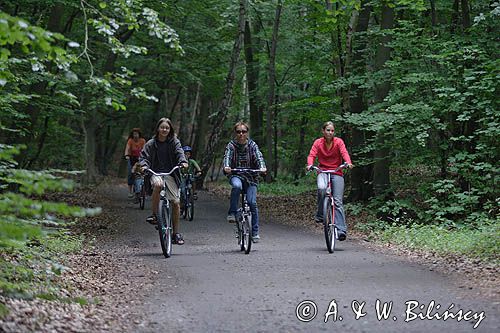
(190, 206)
(329, 224)
(246, 231)
(165, 228)
(142, 198)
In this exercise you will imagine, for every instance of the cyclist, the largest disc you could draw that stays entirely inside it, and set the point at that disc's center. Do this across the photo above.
(243, 152)
(193, 169)
(135, 143)
(161, 154)
(330, 151)
(138, 173)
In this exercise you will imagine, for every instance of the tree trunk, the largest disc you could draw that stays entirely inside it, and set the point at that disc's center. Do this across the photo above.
(202, 126)
(433, 13)
(34, 110)
(361, 175)
(183, 116)
(271, 94)
(89, 128)
(221, 115)
(95, 122)
(252, 73)
(381, 179)
(454, 16)
(465, 14)
(176, 103)
(196, 106)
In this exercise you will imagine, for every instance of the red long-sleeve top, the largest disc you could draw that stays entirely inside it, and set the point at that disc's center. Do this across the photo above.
(329, 159)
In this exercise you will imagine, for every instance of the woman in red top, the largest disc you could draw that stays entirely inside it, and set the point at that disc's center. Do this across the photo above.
(331, 152)
(135, 143)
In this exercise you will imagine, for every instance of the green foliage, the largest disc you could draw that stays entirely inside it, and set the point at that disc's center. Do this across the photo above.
(29, 245)
(287, 186)
(21, 216)
(483, 242)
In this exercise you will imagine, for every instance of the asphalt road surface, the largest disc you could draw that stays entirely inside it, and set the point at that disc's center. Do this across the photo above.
(290, 283)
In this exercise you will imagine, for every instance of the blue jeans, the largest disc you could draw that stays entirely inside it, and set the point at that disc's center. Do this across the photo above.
(138, 183)
(338, 194)
(130, 176)
(237, 185)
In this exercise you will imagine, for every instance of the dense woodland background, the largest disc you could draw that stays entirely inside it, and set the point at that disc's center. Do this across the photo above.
(411, 85)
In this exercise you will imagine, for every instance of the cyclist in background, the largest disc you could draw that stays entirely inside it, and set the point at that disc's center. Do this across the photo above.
(330, 151)
(161, 154)
(135, 143)
(193, 169)
(243, 152)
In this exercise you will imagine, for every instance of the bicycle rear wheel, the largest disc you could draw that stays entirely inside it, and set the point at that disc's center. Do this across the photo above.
(329, 224)
(183, 205)
(165, 228)
(190, 206)
(246, 233)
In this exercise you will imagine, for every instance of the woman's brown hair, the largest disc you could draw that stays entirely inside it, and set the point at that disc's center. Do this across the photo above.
(135, 129)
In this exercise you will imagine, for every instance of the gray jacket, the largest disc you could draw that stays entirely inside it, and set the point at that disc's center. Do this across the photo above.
(175, 156)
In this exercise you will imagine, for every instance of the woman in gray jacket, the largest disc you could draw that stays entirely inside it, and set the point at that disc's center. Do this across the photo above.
(161, 154)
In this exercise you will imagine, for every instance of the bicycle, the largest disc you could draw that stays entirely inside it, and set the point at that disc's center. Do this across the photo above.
(187, 198)
(140, 195)
(164, 215)
(329, 227)
(244, 215)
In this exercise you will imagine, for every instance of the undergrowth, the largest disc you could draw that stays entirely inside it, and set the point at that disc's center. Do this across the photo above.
(32, 271)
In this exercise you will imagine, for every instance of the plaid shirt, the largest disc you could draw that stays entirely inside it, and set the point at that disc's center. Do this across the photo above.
(243, 156)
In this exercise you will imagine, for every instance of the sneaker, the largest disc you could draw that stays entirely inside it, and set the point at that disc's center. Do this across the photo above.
(341, 236)
(131, 195)
(178, 239)
(256, 238)
(231, 218)
(152, 219)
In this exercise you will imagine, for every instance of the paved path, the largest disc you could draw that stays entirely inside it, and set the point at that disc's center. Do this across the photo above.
(208, 285)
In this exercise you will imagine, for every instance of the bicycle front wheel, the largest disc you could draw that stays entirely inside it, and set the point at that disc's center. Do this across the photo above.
(329, 224)
(165, 228)
(246, 233)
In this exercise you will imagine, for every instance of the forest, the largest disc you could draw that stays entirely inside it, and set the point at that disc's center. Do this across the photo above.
(411, 85)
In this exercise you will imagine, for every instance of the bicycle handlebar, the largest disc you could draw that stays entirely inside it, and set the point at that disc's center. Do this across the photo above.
(244, 170)
(161, 174)
(340, 167)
